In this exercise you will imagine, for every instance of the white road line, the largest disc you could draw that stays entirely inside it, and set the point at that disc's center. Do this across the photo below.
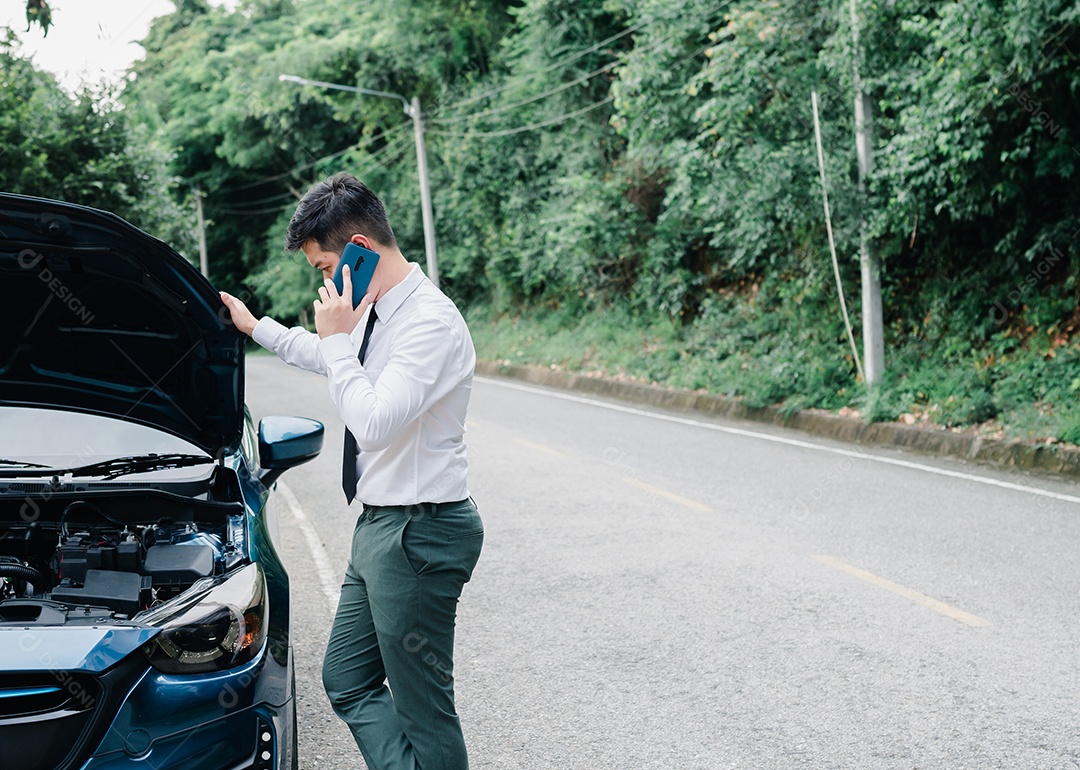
(328, 580)
(784, 440)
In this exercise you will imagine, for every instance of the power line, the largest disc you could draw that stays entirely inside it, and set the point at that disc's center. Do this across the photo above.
(531, 127)
(251, 212)
(523, 102)
(276, 209)
(312, 164)
(556, 65)
(269, 199)
(358, 172)
(653, 45)
(552, 121)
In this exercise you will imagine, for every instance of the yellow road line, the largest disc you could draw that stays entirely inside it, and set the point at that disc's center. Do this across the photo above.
(693, 504)
(908, 593)
(541, 448)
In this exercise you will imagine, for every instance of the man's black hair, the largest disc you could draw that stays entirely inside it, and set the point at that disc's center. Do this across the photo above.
(332, 211)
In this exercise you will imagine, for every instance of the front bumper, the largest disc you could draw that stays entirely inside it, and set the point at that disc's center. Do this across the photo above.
(133, 716)
(240, 718)
(247, 739)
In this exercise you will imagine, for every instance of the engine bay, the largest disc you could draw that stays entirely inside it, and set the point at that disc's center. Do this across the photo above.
(111, 554)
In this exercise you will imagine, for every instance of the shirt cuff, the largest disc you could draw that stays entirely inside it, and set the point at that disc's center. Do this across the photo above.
(337, 347)
(267, 332)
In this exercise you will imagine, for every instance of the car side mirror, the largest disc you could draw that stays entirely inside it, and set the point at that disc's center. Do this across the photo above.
(285, 442)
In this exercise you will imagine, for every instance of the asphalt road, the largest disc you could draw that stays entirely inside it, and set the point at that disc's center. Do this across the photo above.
(660, 590)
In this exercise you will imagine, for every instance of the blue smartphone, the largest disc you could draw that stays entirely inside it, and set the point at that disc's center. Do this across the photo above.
(361, 264)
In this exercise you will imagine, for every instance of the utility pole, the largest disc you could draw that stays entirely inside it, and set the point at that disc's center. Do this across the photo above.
(204, 263)
(873, 325)
(425, 191)
(412, 109)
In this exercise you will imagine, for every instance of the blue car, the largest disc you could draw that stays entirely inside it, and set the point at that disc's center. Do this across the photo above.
(144, 610)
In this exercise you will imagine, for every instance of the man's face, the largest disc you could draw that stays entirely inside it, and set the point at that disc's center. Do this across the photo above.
(325, 262)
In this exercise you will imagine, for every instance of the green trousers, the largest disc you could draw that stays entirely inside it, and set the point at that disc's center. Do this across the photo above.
(395, 625)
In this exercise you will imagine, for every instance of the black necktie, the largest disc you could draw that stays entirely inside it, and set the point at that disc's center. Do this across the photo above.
(349, 451)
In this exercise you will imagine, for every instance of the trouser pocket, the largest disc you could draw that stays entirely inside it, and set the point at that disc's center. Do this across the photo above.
(450, 541)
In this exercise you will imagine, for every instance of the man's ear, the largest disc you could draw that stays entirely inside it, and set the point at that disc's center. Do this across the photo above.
(362, 240)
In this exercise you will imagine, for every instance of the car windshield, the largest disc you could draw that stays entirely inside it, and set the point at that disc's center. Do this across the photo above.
(35, 438)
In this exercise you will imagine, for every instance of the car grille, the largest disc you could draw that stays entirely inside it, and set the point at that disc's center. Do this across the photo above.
(54, 720)
(42, 717)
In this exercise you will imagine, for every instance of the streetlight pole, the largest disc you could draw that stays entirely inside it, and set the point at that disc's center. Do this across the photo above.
(412, 109)
(425, 192)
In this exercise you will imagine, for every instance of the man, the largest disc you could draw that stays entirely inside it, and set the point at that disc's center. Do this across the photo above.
(400, 368)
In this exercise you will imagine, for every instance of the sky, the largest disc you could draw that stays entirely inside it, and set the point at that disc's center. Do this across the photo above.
(90, 40)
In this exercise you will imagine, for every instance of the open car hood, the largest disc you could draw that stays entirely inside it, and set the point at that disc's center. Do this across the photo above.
(97, 316)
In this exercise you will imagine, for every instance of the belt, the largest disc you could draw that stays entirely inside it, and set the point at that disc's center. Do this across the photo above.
(415, 509)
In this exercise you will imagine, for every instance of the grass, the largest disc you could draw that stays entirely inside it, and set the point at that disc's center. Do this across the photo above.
(777, 347)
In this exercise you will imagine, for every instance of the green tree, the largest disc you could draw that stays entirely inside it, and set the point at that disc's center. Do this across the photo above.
(83, 149)
(524, 159)
(656, 160)
(252, 144)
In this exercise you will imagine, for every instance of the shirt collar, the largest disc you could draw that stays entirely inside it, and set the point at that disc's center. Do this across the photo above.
(389, 303)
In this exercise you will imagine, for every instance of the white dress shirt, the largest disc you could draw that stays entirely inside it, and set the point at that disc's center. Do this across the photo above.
(406, 404)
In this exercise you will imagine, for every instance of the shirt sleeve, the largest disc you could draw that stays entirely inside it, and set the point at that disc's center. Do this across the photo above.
(296, 346)
(426, 364)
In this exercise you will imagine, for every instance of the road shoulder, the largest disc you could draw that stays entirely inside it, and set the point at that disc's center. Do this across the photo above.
(1062, 461)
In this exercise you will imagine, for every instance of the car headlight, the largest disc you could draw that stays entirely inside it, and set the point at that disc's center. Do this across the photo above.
(213, 629)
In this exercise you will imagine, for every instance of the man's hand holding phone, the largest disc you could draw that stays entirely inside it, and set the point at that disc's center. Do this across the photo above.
(334, 311)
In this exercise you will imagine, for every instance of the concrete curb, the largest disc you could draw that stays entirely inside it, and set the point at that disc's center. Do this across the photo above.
(1060, 460)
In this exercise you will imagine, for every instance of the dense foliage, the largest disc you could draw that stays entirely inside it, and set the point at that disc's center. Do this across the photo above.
(83, 149)
(650, 165)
